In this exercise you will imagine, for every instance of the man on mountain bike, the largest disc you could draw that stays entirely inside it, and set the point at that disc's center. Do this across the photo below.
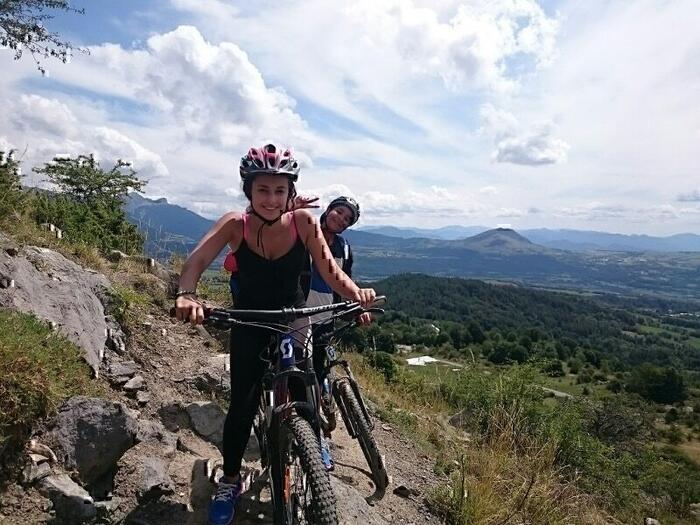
(270, 244)
(341, 213)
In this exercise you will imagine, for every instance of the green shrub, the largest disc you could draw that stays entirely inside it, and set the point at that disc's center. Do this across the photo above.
(38, 370)
(383, 362)
(12, 198)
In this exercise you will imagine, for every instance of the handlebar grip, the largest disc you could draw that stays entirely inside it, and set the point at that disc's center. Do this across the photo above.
(379, 301)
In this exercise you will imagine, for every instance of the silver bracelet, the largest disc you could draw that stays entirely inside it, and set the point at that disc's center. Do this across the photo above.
(186, 292)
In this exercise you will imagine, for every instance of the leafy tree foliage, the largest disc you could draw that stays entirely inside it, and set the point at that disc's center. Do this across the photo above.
(22, 29)
(89, 207)
(12, 198)
(513, 324)
(85, 181)
(660, 384)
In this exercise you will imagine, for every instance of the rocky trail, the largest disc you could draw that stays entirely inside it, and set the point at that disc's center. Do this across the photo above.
(141, 454)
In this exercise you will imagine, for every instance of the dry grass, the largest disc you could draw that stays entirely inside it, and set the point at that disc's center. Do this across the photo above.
(506, 479)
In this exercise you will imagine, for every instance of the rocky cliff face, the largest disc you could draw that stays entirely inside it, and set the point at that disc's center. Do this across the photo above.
(70, 298)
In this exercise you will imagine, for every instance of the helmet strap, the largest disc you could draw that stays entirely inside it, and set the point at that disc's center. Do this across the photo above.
(265, 222)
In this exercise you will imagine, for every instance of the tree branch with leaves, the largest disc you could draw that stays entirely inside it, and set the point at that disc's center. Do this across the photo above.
(22, 29)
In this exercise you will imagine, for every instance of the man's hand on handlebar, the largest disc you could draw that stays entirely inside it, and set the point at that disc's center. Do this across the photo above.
(364, 319)
(189, 309)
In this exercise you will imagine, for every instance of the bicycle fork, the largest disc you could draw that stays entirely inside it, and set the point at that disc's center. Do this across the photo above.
(350, 378)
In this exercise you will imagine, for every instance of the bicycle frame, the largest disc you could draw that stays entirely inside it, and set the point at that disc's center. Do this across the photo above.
(276, 396)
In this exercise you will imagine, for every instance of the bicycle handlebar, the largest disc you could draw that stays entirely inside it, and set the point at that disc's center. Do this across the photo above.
(221, 314)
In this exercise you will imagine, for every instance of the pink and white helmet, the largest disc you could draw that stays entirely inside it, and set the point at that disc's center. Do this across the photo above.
(269, 160)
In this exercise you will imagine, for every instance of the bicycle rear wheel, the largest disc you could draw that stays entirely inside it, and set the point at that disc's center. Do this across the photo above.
(302, 490)
(364, 436)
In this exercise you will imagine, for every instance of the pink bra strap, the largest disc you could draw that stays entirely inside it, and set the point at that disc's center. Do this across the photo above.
(295, 233)
(245, 227)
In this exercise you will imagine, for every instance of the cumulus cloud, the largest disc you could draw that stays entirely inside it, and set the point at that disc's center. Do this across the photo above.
(112, 145)
(691, 196)
(48, 127)
(468, 50)
(534, 146)
(213, 92)
(36, 114)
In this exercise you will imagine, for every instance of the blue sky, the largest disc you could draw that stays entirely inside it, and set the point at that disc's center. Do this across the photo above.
(560, 114)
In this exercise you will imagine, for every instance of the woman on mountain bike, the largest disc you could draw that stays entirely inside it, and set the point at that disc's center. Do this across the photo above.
(269, 243)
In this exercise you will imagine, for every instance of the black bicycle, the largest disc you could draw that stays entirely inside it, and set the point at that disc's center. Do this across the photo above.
(346, 395)
(287, 424)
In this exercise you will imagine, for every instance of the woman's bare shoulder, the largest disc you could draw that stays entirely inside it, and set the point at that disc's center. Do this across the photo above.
(303, 218)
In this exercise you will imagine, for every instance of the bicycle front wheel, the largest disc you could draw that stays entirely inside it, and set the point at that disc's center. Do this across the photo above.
(302, 490)
(362, 430)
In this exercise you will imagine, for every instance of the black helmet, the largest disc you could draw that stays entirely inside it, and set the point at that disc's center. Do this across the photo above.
(349, 203)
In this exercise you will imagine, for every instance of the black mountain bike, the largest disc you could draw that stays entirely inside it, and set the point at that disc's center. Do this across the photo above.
(347, 397)
(287, 424)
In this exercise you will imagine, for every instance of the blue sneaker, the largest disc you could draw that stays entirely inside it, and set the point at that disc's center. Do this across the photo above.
(222, 507)
(326, 455)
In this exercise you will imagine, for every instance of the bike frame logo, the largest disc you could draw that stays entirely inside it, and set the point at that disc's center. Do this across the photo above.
(287, 351)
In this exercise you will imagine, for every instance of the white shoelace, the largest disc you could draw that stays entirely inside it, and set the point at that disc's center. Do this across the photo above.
(226, 491)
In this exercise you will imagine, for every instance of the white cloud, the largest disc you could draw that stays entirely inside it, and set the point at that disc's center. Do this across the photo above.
(691, 196)
(47, 127)
(112, 145)
(509, 212)
(36, 114)
(489, 191)
(213, 92)
(376, 62)
(531, 147)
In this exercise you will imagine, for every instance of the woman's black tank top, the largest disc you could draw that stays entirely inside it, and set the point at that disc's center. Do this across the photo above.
(267, 284)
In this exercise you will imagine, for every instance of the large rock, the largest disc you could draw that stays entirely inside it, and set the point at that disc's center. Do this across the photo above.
(352, 507)
(149, 430)
(71, 501)
(214, 377)
(142, 473)
(174, 416)
(207, 420)
(94, 433)
(56, 289)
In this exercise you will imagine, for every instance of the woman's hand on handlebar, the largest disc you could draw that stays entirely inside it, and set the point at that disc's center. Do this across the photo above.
(364, 296)
(189, 309)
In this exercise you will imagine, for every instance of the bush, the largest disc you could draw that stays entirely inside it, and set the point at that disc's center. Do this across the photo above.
(553, 368)
(38, 370)
(12, 198)
(383, 362)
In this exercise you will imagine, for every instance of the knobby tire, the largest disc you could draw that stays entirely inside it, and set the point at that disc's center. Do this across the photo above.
(299, 441)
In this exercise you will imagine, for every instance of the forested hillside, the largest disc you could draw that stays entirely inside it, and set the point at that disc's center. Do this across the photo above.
(526, 323)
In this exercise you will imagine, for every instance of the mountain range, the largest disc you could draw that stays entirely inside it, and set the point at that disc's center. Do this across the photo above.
(562, 239)
(500, 254)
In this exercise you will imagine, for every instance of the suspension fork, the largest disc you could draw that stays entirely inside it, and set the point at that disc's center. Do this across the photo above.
(350, 378)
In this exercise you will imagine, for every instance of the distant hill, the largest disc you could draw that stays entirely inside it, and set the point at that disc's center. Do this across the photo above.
(447, 233)
(578, 240)
(168, 228)
(502, 241)
(564, 239)
(497, 255)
